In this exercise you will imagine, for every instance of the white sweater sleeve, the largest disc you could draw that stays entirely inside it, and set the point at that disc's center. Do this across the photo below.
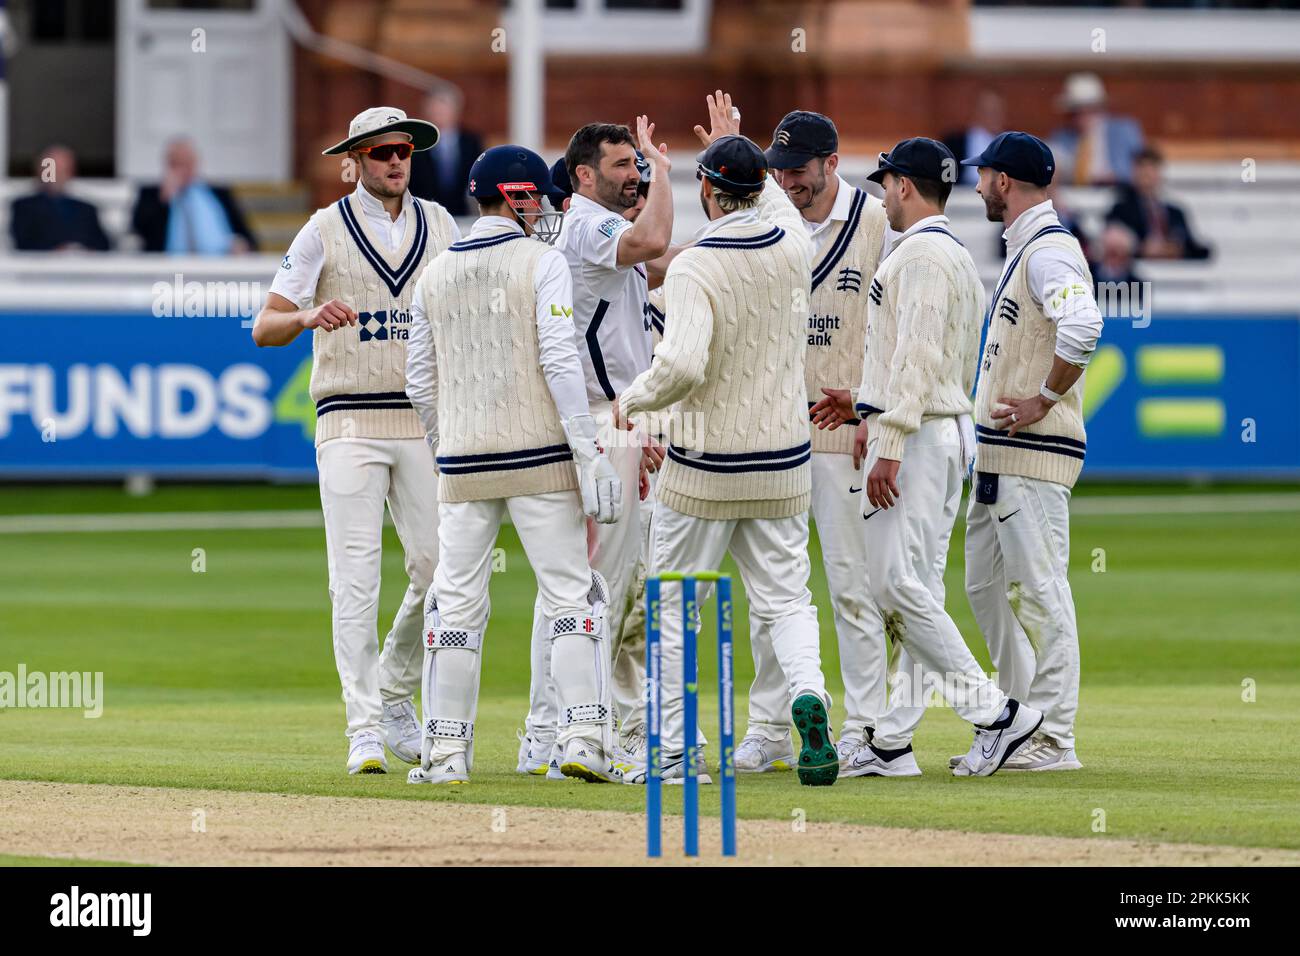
(774, 206)
(922, 312)
(422, 369)
(681, 358)
(1061, 288)
(556, 339)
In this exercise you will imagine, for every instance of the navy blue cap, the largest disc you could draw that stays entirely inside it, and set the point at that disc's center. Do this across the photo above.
(734, 164)
(509, 164)
(800, 136)
(562, 185)
(918, 158)
(1019, 155)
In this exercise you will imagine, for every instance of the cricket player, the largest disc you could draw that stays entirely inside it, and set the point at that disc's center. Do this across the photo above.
(1043, 326)
(922, 338)
(607, 256)
(349, 276)
(850, 237)
(732, 360)
(496, 378)
(542, 756)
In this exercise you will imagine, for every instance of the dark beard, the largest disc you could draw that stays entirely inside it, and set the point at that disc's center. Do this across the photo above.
(995, 208)
(611, 194)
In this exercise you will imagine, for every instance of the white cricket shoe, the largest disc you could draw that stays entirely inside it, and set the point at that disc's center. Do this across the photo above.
(846, 747)
(634, 743)
(585, 760)
(1043, 753)
(446, 770)
(871, 761)
(674, 769)
(402, 731)
(757, 754)
(626, 761)
(553, 766)
(999, 740)
(534, 755)
(366, 754)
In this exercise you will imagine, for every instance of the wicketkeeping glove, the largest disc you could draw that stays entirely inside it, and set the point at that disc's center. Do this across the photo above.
(598, 483)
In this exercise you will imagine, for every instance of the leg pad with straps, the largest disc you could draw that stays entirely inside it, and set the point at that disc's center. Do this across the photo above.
(440, 637)
(449, 729)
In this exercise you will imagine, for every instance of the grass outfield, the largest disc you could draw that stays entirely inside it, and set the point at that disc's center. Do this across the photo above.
(225, 679)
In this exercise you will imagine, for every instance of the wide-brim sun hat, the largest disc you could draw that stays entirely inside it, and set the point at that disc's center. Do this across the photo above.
(379, 120)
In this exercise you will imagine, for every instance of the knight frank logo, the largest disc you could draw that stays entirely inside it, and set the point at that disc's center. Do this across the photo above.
(373, 326)
(850, 280)
(384, 325)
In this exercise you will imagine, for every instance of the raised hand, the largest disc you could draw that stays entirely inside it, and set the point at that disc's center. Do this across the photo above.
(657, 157)
(724, 119)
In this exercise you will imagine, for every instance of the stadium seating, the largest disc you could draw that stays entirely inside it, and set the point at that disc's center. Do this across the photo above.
(1254, 228)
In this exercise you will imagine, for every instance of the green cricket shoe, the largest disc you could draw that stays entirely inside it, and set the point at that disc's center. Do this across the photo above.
(819, 764)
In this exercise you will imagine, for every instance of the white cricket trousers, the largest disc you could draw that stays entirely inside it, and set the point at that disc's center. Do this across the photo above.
(552, 529)
(357, 475)
(1017, 559)
(614, 550)
(772, 555)
(859, 628)
(907, 548)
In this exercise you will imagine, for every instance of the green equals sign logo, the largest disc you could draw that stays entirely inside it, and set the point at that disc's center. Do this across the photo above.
(1180, 365)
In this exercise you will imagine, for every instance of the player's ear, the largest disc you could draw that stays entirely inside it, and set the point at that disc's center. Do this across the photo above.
(831, 164)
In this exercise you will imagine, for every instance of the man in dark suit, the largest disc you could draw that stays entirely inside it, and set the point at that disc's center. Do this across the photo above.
(50, 219)
(442, 173)
(183, 215)
(1161, 228)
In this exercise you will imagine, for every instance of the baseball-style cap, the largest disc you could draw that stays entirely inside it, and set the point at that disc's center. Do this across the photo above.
(561, 184)
(379, 120)
(919, 158)
(800, 136)
(734, 164)
(1019, 155)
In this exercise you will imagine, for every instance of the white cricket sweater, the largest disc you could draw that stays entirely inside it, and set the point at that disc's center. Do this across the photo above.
(837, 318)
(732, 360)
(358, 372)
(1019, 351)
(499, 432)
(923, 328)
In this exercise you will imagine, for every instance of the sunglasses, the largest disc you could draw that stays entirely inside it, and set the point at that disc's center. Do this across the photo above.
(386, 151)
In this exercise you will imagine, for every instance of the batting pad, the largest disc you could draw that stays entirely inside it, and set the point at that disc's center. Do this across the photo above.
(448, 688)
(436, 638)
(449, 729)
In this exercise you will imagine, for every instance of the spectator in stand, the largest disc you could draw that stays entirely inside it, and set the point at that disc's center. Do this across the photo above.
(1094, 148)
(987, 121)
(184, 215)
(1115, 270)
(1161, 228)
(442, 173)
(50, 219)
